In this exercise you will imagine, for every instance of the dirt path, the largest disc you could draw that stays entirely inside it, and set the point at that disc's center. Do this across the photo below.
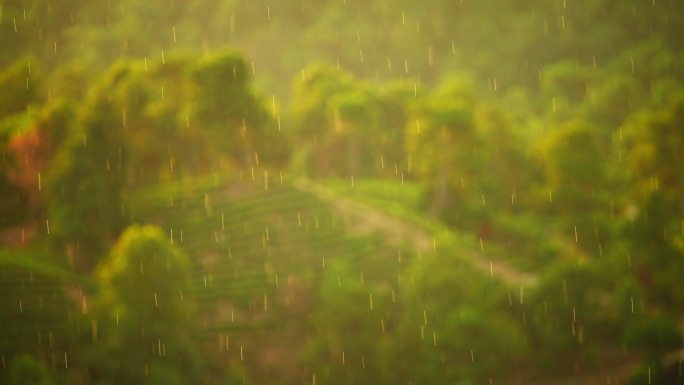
(363, 219)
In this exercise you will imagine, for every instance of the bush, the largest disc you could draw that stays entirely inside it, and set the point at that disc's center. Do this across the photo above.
(25, 370)
(145, 286)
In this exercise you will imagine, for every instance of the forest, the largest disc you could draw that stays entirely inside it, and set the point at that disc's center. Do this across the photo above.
(341, 192)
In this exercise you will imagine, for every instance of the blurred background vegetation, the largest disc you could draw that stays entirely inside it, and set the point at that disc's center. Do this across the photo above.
(341, 192)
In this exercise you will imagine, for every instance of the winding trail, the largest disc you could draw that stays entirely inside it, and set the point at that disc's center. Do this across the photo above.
(363, 219)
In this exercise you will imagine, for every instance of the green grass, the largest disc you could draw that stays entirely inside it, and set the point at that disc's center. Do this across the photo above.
(529, 236)
(389, 194)
(259, 258)
(37, 260)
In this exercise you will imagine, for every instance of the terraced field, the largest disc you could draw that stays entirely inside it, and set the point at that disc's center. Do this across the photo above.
(259, 252)
(267, 260)
(37, 312)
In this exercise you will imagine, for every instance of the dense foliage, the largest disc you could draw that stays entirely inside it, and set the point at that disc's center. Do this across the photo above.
(521, 161)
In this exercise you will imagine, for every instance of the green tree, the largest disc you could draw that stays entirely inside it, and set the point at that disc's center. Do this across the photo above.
(347, 346)
(145, 313)
(655, 336)
(567, 316)
(655, 152)
(230, 114)
(442, 144)
(566, 83)
(506, 167)
(152, 98)
(352, 119)
(25, 370)
(574, 163)
(349, 127)
(454, 326)
(312, 92)
(21, 85)
(396, 101)
(87, 178)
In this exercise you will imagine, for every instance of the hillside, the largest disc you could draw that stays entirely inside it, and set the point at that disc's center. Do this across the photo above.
(40, 307)
(279, 268)
(229, 192)
(264, 253)
(259, 255)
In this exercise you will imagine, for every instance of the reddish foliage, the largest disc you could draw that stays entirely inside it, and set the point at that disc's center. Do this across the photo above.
(32, 151)
(485, 231)
(18, 236)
